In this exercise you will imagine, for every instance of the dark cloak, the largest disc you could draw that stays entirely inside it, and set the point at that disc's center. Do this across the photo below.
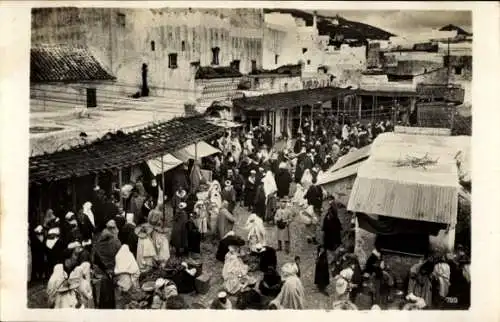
(268, 259)
(179, 238)
(332, 229)
(283, 180)
(322, 272)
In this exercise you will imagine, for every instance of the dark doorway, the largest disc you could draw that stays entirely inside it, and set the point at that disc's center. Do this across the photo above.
(91, 97)
(145, 88)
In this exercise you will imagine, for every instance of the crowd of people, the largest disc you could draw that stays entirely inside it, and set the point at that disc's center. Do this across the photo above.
(107, 254)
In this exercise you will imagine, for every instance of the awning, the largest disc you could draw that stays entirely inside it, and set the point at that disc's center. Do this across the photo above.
(409, 177)
(227, 124)
(290, 99)
(169, 162)
(200, 149)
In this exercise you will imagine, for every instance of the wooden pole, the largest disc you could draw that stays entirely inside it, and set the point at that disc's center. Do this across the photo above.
(73, 193)
(373, 106)
(120, 184)
(40, 204)
(300, 117)
(163, 185)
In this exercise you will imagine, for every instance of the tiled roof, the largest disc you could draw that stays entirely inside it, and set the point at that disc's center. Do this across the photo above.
(121, 149)
(290, 99)
(58, 63)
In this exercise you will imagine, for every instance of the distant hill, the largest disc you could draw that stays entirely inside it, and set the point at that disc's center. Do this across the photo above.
(459, 30)
(333, 26)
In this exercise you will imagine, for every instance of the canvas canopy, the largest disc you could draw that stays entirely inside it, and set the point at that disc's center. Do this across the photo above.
(198, 150)
(169, 162)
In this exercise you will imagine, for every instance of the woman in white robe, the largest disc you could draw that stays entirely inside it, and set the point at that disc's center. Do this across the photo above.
(58, 299)
(298, 197)
(256, 231)
(292, 293)
(146, 252)
(306, 180)
(201, 217)
(214, 193)
(236, 149)
(234, 271)
(269, 184)
(126, 269)
(82, 273)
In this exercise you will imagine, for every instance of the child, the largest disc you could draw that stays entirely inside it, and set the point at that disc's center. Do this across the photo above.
(297, 262)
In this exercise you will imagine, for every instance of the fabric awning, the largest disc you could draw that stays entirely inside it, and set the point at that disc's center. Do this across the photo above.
(169, 162)
(200, 149)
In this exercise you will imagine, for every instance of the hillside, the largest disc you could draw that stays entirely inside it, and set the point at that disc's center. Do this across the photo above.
(349, 29)
(459, 30)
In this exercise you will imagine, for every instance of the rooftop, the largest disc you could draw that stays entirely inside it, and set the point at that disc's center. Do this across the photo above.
(119, 149)
(406, 190)
(59, 63)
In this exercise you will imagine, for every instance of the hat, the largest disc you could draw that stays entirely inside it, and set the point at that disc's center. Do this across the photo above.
(68, 285)
(227, 182)
(111, 223)
(253, 171)
(69, 215)
(143, 230)
(222, 295)
(54, 231)
(285, 199)
(182, 205)
(159, 283)
(341, 286)
(74, 245)
(261, 169)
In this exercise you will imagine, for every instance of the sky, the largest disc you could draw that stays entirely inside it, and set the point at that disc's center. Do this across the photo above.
(407, 21)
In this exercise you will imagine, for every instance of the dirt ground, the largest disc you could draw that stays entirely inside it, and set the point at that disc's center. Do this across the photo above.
(314, 300)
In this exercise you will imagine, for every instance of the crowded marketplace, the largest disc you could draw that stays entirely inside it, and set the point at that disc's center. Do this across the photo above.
(246, 228)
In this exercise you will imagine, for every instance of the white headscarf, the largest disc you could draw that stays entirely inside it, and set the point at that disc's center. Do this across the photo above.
(87, 211)
(126, 268)
(56, 279)
(298, 197)
(125, 262)
(442, 273)
(269, 184)
(255, 227)
(52, 241)
(306, 180)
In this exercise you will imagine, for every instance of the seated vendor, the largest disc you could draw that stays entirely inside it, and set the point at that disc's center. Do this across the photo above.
(267, 256)
(249, 298)
(270, 285)
(184, 279)
(234, 272)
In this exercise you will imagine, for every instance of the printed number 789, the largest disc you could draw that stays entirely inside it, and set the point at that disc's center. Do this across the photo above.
(452, 300)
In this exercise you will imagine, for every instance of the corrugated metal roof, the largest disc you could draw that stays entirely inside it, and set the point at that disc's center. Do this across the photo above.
(352, 157)
(417, 193)
(59, 63)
